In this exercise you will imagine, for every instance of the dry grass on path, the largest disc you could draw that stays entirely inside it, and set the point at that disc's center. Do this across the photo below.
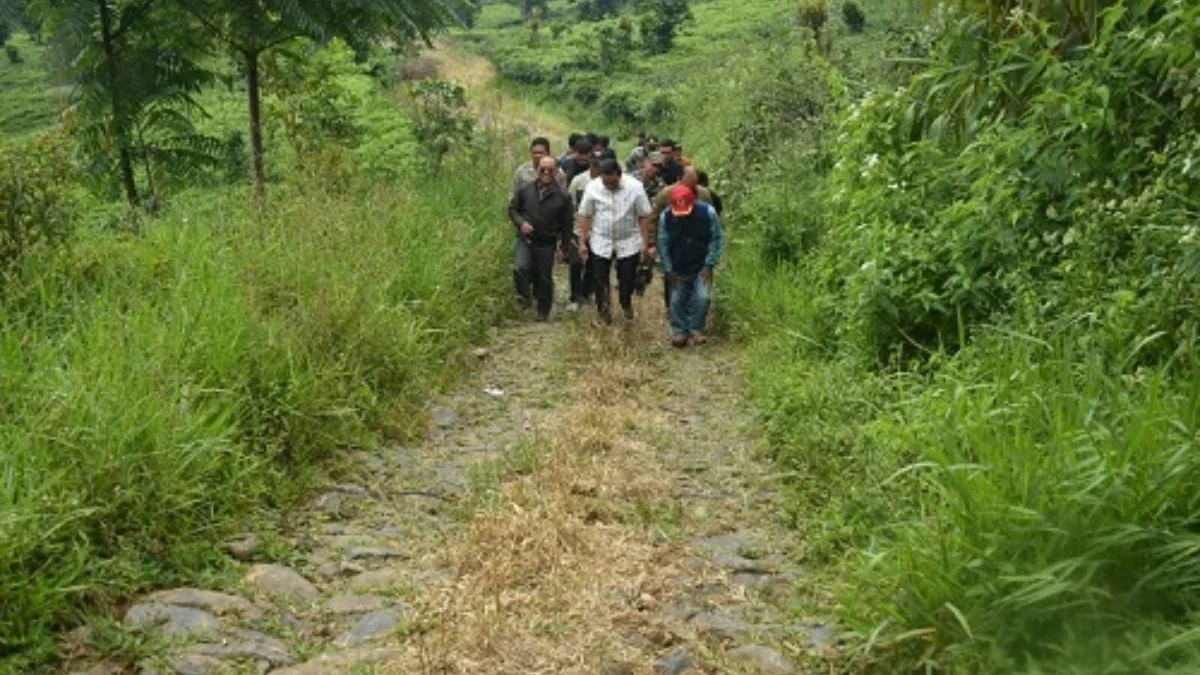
(562, 570)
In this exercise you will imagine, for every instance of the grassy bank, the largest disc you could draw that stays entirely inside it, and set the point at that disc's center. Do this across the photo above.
(165, 387)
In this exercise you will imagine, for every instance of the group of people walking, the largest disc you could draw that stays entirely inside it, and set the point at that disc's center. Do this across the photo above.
(588, 209)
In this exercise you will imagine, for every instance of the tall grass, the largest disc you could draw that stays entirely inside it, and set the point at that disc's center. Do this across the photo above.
(156, 388)
(1060, 519)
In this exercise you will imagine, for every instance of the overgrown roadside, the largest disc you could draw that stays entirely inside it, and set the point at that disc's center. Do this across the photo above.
(587, 501)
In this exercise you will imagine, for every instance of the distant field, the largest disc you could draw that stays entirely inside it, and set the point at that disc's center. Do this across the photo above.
(27, 96)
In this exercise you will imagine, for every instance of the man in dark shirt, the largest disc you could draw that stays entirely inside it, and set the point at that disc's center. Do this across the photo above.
(717, 202)
(672, 167)
(543, 214)
(580, 162)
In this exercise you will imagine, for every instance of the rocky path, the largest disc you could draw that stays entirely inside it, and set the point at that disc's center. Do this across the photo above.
(587, 501)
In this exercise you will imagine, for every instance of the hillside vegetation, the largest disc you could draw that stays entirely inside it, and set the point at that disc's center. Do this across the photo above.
(176, 372)
(965, 263)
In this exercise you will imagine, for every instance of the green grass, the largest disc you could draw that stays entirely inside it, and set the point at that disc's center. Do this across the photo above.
(28, 103)
(159, 388)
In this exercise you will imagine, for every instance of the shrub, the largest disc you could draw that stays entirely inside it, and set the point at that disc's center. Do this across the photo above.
(440, 116)
(813, 15)
(13, 54)
(853, 15)
(661, 22)
(36, 198)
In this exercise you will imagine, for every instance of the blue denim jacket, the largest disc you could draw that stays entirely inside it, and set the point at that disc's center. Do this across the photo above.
(716, 245)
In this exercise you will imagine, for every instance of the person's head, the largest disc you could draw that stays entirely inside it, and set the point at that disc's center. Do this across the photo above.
(547, 169)
(538, 148)
(594, 161)
(683, 201)
(571, 140)
(651, 143)
(608, 153)
(702, 176)
(691, 178)
(603, 141)
(583, 150)
(650, 169)
(592, 138)
(610, 173)
(641, 137)
(668, 149)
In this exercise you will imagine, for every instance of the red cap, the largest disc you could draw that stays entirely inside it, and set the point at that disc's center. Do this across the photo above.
(683, 200)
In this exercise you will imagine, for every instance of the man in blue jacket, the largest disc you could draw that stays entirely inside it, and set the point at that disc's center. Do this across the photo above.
(690, 244)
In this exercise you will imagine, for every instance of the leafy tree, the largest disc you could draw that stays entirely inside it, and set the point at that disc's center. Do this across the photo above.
(131, 87)
(661, 23)
(598, 10)
(528, 7)
(252, 28)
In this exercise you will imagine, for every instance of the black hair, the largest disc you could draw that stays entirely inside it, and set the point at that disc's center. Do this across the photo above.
(702, 176)
(610, 167)
(592, 137)
(608, 153)
(667, 143)
(603, 140)
(542, 141)
(582, 145)
(572, 138)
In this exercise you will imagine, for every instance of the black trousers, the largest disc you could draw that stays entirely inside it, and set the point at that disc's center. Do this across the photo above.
(626, 281)
(581, 280)
(533, 273)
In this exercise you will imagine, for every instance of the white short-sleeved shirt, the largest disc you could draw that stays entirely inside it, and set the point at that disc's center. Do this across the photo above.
(615, 215)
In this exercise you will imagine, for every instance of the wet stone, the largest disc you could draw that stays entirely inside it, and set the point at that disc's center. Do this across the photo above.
(355, 604)
(281, 582)
(680, 612)
(676, 662)
(351, 489)
(736, 563)
(723, 627)
(377, 579)
(820, 636)
(171, 620)
(252, 647)
(243, 548)
(371, 627)
(729, 543)
(753, 579)
(220, 604)
(374, 553)
(332, 503)
(443, 417)
(762, 659)
(195, 664)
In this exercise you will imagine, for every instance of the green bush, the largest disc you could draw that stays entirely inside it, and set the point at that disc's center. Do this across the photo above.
(854, 17)
(36, 198)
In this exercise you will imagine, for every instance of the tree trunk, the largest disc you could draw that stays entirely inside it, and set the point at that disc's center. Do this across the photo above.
(256, 139)
(120, 123)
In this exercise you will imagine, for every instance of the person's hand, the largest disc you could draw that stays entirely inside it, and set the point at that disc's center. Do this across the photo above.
(583, 252)
(652, 252)
(526, 229)
(706, 275)
(645, 252)
(563, 254)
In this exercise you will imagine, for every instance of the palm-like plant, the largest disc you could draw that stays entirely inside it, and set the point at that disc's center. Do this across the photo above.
(250, 28)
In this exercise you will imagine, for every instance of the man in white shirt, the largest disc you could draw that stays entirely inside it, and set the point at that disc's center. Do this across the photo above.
(614, 218)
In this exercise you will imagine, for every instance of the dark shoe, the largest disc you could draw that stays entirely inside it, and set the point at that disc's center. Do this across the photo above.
(524, 303)
(543, 317)
(699, 339)
(606, 316)
(679, 341)
(628, 312)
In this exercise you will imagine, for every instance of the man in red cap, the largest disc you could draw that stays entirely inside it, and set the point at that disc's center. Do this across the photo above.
(690, 244)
